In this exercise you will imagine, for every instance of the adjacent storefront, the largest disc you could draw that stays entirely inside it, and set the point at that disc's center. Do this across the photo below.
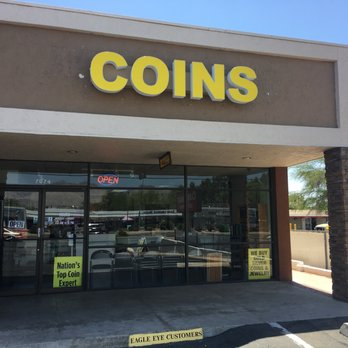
(139, 154)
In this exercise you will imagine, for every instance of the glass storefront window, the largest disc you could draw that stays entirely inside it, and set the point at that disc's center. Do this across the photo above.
(138, 236)
(229, 211)
(257, 179)
(258, 216)
(43, 173)
(145, 227)
(136, 176)
(216, 262)
(227, 178)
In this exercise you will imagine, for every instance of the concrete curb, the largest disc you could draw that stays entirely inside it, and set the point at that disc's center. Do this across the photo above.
(115, 341)
(344, 329)
(301, 267)
(121, 341)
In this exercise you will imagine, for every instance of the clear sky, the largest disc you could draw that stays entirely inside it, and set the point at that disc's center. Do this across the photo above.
(319, 20)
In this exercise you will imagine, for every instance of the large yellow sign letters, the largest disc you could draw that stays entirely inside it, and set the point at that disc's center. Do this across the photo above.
(239, 86)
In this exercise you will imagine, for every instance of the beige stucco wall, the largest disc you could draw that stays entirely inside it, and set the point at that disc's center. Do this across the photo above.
(48, 69)
(309, 247)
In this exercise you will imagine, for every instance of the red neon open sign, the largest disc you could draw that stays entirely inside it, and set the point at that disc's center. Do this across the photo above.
(107, 180)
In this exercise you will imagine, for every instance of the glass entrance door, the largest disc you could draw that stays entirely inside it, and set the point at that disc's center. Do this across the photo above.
(42, 239)
(62, 241)
(20, 216)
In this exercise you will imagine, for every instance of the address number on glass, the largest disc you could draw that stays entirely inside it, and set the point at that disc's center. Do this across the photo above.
(16, 224)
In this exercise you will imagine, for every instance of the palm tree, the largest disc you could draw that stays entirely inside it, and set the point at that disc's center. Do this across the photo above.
(314, 192)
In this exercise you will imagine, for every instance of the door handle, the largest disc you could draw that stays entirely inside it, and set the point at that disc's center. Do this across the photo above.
(39, 232)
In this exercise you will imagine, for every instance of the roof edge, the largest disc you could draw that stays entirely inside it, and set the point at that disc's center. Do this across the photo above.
(71, 19)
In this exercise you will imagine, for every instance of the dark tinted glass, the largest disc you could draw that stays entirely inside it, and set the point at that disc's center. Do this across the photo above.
(43, 173)
(19, 244)
(229, 213)
(134, 176)
(224, 178)
(63, 238)
(138, 235)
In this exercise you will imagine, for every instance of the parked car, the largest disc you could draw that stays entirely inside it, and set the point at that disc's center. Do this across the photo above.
(96, 228)
(11, 235)
(322, 227)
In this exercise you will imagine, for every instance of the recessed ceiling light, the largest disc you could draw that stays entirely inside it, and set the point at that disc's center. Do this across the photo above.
(246, 157)
(72, 152)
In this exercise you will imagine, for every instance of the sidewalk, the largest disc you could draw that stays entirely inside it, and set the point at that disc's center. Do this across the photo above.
(313, 281)
(312, 277)
(107, 318)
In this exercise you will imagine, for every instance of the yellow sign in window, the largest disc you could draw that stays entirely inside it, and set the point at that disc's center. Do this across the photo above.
(67, 271)
(259, 264)
(141, 340)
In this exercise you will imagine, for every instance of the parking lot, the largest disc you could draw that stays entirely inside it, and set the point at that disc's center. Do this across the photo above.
(318, 333)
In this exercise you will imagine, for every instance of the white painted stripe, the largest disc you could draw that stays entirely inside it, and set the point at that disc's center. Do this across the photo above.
(297, 340)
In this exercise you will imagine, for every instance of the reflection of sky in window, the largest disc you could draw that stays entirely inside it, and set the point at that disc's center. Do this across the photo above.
(254, 176)
(197, 180)
(261, 177)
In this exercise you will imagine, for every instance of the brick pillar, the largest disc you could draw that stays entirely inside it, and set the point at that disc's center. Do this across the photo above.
(336, 161)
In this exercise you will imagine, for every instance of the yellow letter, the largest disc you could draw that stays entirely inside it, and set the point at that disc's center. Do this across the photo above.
(214, 85)
(97, 72)
(137, 76)
(244, 91)
(179, 78)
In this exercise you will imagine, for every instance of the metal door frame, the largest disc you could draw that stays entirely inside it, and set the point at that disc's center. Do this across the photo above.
(42, 191)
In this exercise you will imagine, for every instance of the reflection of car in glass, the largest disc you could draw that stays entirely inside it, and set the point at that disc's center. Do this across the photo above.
(11, 235)
(322, 227)
(15, 217)
(96, 228)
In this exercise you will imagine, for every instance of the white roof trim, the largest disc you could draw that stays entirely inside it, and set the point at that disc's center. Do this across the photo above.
(66, 19)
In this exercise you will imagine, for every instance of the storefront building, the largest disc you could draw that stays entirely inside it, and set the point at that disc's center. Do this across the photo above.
(137, 154)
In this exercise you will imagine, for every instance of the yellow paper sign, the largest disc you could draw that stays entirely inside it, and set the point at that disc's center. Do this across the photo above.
(141, 340)
(67, 271)
(259, 264)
